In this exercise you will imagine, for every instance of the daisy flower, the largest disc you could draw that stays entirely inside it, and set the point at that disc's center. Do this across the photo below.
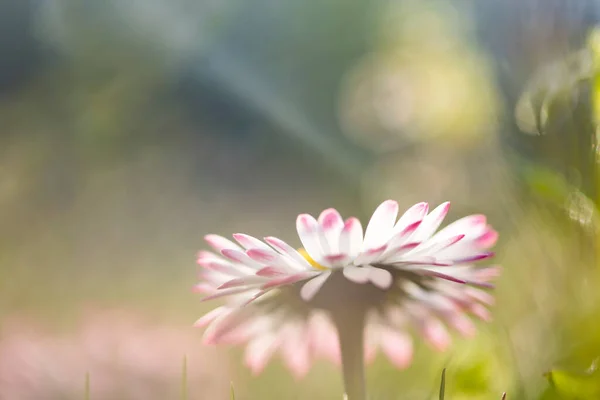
(399, 275)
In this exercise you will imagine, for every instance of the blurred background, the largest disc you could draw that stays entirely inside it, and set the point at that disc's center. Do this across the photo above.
(130, 129)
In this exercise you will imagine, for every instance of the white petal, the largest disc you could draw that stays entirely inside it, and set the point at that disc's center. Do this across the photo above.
(249, 242)
(430, 223)
(210, 316)
(338, 260)
(357, 274)
(287, 250)
(241, 258)
(351, 238)
(226, 323)
(272, 258)
(412, 215)
(311, 237)
(371, 256)
(248, 280)
(403, 236)
(471, 226)
(379, 229)
(310, 288)
(227, 292)
(380, 278)
(331, 223)
(259, 351)
(222, 266)
(433, 246)
(288, 280)
(219, 243)
(295, 349)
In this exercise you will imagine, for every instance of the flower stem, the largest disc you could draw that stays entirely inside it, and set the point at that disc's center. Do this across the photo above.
(351, 335)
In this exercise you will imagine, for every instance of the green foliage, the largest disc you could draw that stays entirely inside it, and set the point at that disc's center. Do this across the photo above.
(573, 385)
(547, 184)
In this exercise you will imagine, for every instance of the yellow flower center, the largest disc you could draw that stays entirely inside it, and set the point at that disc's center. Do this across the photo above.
(310, 260)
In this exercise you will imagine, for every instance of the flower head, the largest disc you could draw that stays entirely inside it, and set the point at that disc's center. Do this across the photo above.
(399, 275)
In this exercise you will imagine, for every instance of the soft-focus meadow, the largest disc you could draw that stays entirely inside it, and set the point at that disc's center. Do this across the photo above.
(130, 129)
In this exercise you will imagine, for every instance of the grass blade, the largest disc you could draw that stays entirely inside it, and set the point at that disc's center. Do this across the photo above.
(443, 385)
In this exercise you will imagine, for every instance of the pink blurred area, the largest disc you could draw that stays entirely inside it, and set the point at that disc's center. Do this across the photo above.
(124, 354)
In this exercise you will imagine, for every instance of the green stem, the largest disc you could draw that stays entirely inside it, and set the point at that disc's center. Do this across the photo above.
(351, 335)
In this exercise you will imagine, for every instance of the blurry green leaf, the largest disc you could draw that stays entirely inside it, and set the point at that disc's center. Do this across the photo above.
(575, 386)
(548, 184)
(232, 392)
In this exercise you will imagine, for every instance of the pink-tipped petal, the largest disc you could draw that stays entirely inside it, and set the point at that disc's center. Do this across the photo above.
(219, 243)
(287, 250)
(287, 280)
(371, 256)
(436, 334)
(401, 238)
(480, 312)
(259, 352)
(433, 246)
(476, 257)
(379, 229)
(224, 292)
(311, 288)
(351, 237)
(462, 324)
(431, 223)
(488, 273)
(311, 237)
(296, 351)
(205, 256)
(263, 256)
(210, 317)
(222, 266)
(414, 214)
(397, 347)
(203, 288)
(323, 337)
(337, 260)
(473, 226)
(249, 242)
(331, 223)
(225, 324)
(271, 272)
(240, 257)
(488, 239)
(480, 296)
(244, 281)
